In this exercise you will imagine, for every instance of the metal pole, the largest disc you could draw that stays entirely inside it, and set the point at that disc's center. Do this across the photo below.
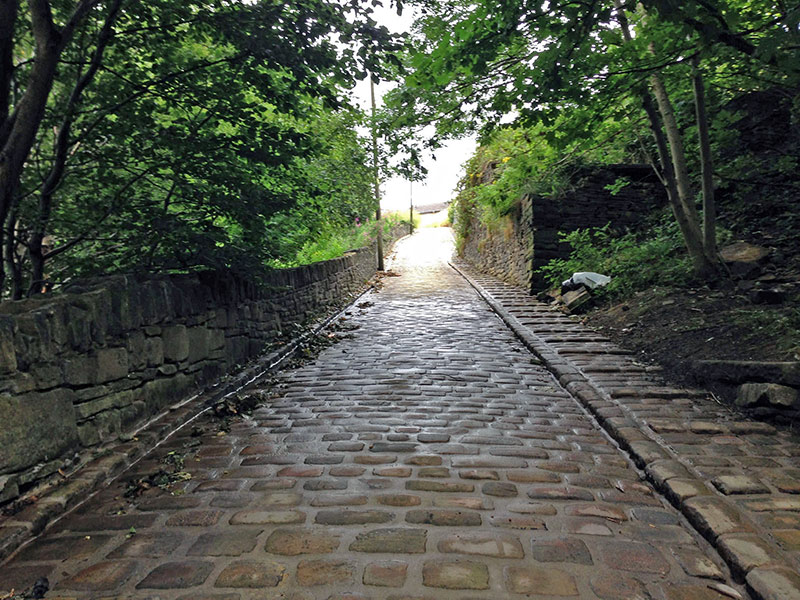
(377, 180)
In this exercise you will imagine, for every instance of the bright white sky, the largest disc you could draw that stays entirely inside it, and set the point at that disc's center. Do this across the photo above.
(445, 171)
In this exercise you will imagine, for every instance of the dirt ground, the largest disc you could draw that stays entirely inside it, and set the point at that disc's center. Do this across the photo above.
(675, 327)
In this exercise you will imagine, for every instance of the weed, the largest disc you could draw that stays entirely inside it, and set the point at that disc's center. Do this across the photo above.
(635, 261)
(170, 473)
(781, 325)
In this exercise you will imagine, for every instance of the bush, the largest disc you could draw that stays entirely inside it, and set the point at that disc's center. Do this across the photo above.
(634, 261)
(334, 242)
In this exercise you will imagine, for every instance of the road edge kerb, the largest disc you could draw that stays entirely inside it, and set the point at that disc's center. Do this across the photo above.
(687, 492)
(116, 459)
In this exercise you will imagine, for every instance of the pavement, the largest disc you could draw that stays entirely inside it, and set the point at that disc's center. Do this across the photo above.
(439, 452)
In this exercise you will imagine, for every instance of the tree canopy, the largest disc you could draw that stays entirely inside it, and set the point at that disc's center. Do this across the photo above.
(579, 67)
(176, 135)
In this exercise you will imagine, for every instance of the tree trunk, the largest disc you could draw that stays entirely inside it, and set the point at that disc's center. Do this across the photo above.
(706, 162)
(675, 146)
(377, 178)
(689, 229)
(28, 115)
(8, 18)
(10, 258)
(687, 219)
(56, 174)
(18, 131)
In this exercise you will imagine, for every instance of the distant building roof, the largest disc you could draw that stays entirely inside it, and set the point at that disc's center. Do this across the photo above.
(431, 208)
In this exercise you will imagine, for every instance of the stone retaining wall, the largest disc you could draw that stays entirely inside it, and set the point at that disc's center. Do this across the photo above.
(513, 251)
(505, 249)
(590, 204)
(78, 368)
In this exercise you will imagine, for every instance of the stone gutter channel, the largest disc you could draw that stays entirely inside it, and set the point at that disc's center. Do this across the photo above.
(667, 433)
(54, 503)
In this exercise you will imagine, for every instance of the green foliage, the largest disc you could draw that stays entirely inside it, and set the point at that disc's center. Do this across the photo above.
(781, 324)
(213, 135)
(619, 184)
(513, 162)
(633, 261)
(331, 243)
(462, 212)
(336, 241)
(577, 68)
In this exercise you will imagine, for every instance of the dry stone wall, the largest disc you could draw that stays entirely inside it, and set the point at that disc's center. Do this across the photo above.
(504, 249)
(79, 368)
(590, 204)
(530, 238)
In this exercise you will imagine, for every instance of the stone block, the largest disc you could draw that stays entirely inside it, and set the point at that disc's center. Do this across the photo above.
(386, 574)
(21, 383)
(9, 488)
(102, 426)
(101, 313)
(8, 354)
(79, 370)
(107, 575)
(167, 370)
(118, 400)
(78, 327)
(746, 552)
(46, 376)
(160, 392)
(32, 339)
(42, 470)
(91, 393)
(392, 541)
(107, 364)
(37, 427)
(176, 343)
(325, 572)
(775, 583)
(714, 517)
(534, 580)
(177, 575)
(766, 394)
(132, 413)
(199, 343)
(136, 352)
(216, 339)
(259, 575)
(154, 351)
(111, 364)
(456, 575)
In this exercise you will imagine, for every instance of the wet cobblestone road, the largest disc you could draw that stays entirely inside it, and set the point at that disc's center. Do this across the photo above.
(429, 455)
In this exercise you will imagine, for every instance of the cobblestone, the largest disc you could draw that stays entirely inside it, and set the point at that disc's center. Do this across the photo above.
(733, 478)
(429, 456)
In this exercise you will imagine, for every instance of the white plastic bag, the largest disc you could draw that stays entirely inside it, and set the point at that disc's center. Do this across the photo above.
(588, 279)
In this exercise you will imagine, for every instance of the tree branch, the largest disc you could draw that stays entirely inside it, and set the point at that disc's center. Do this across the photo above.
(8, 17)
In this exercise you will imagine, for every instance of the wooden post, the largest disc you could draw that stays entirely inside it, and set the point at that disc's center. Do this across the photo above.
(410, 207)
(377, 177)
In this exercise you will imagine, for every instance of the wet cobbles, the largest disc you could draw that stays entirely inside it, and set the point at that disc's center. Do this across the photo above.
(735, 479)
(429, 455)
